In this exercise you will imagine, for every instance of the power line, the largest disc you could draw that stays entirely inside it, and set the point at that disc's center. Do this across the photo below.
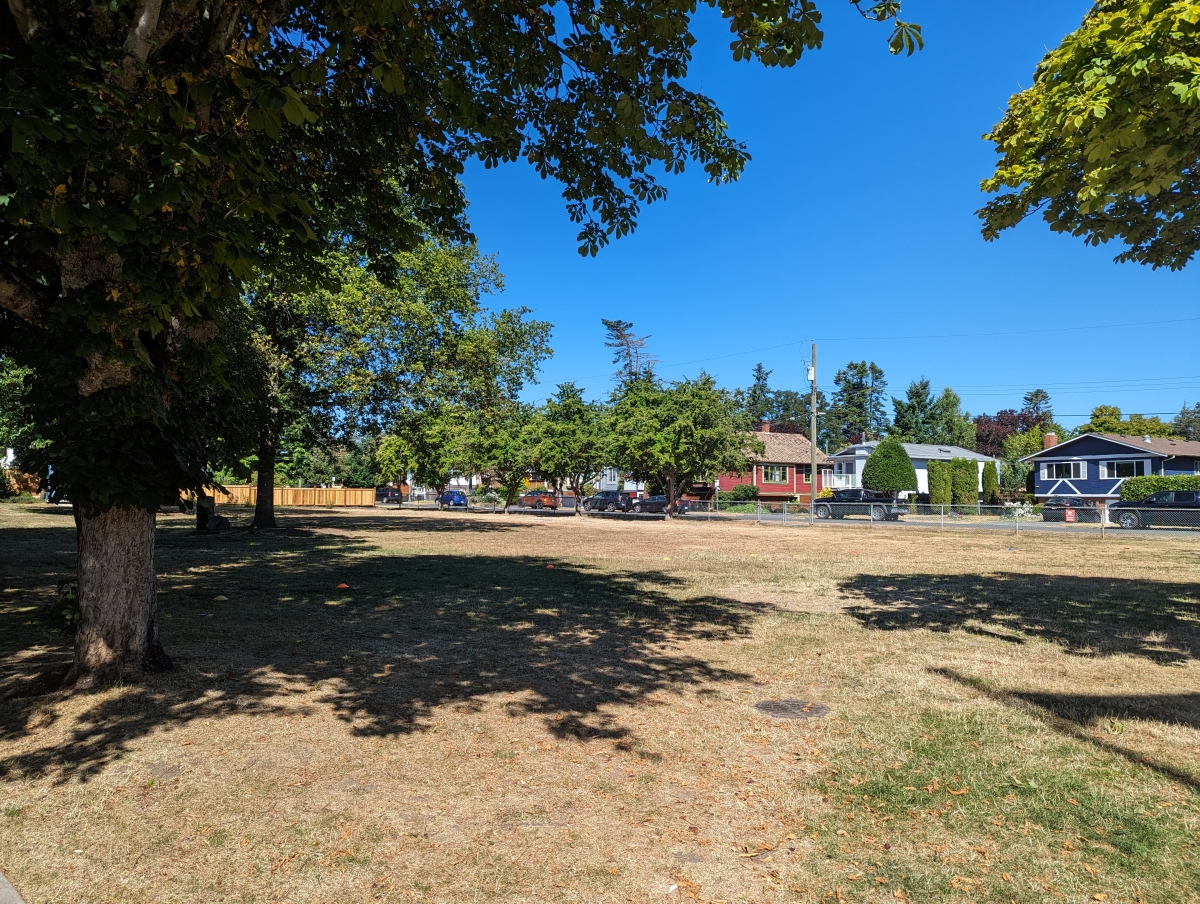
(1063, 329)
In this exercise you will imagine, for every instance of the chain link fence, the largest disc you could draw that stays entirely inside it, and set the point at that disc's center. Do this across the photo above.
(869, 513)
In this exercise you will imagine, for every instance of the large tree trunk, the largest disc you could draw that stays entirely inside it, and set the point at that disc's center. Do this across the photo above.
(670, 506)
(117, 637)
(264, 506)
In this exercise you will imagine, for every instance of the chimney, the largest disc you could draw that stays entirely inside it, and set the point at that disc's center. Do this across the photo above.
(1146, 438)
(765, 426)
(1050, 439)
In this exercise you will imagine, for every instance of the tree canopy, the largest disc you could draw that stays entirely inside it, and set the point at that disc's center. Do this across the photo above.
(856, 409)
(1104, 143)
(675, 434)
(1108, 419)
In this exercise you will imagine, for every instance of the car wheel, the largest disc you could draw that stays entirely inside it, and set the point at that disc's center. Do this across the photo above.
(637, 509)
(610, 508)
(877, 513)
(823, 512)
(1129, 520)
(537, 505)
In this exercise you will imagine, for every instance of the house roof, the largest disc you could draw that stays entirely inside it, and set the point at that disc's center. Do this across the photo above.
(935, 451)
(1157, 446)
(786, 448)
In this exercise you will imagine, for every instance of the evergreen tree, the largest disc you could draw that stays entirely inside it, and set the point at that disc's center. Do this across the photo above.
(1187, 423)
(938, 473)
(952, 425)
(1037, 406)
(629, 349)
(991, 484)
(889, 469)
(758, 398)
(913, 419)
(566, 443)
(964, 481)
(856, 412)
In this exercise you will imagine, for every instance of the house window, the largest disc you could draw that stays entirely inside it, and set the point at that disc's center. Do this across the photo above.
(804, 472)
(774, 473)
(1116, 469)
(1064, 470)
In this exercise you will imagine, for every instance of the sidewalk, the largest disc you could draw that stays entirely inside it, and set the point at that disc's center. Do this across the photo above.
(8, 894)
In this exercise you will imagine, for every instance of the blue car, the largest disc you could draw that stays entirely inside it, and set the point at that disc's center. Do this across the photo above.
(453, 498)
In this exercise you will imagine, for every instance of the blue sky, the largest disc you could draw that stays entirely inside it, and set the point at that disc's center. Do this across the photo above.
(854, 224)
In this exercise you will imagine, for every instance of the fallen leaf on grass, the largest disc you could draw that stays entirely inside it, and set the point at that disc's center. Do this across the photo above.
(957, 793)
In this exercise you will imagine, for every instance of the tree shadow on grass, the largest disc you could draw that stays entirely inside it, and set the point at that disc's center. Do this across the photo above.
(1072, 714)
(1157, 620)
(412, 635)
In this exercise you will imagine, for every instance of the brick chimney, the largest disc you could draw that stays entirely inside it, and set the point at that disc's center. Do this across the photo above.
(765, 427)
(1050, 439)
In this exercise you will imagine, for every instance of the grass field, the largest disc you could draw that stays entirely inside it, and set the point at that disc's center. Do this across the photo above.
(999, 718)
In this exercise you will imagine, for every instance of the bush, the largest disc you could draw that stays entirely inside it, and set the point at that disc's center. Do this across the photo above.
(939, 483)
(1136, 488)
(743, 492)
(964, 481)
(889, 469)
(991, 484)
(63, 615)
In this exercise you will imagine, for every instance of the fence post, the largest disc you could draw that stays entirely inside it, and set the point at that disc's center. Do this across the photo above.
(758, 511)
(941, 517)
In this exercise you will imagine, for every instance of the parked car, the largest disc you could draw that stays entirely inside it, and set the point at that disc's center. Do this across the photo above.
(608, 501)
(388, 495)
(538, 499)
(880, 506)
(1176, 508)
(1056, 508)
(453, 499)
(653, 504)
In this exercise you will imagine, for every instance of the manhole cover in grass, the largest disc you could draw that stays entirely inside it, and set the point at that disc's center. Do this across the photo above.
(792, 709)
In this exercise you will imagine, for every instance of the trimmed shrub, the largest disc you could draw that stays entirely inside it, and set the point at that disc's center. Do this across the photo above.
(991, 484)
(964, 481)
(939, 483)
(743, 492)
(1136, 488)
(889, 469)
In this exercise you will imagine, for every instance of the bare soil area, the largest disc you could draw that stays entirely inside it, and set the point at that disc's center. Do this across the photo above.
(564, 709)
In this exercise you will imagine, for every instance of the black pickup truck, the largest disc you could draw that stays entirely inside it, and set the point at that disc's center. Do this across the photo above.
(880, 506)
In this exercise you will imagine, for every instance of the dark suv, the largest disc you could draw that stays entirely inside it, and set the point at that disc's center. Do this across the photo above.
(880, 506)
(607, 501)
(1178, 508)
(658, 504)
(1056, 508)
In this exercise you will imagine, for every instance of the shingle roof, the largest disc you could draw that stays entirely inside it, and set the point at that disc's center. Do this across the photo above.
(786, 449)
(1157, 445)
(936, 451)
(1163, 444)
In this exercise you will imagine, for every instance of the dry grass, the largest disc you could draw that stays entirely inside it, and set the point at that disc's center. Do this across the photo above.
(465, 723)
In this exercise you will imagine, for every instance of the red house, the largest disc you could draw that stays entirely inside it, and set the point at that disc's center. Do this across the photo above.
(781, 472)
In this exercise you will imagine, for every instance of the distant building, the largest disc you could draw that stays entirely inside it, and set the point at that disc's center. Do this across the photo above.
(1095, 465)
(780, 473)
(847, 463)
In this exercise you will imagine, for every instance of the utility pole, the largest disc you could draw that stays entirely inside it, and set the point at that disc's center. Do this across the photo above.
(812, 436)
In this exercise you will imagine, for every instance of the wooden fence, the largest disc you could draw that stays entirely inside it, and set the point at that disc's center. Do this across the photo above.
(248, 495)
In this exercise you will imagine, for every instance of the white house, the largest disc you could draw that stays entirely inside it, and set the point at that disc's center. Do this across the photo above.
(847, 464)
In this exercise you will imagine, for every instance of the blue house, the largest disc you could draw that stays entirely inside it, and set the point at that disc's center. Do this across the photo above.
(1093, 466)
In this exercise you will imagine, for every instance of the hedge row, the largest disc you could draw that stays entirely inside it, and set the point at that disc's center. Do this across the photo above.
(1136, 488)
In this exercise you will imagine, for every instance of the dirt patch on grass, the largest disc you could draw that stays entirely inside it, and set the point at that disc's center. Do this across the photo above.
(1007, 719)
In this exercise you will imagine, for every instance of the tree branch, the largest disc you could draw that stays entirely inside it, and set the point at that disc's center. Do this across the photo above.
(27, 23)
(137, 44)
